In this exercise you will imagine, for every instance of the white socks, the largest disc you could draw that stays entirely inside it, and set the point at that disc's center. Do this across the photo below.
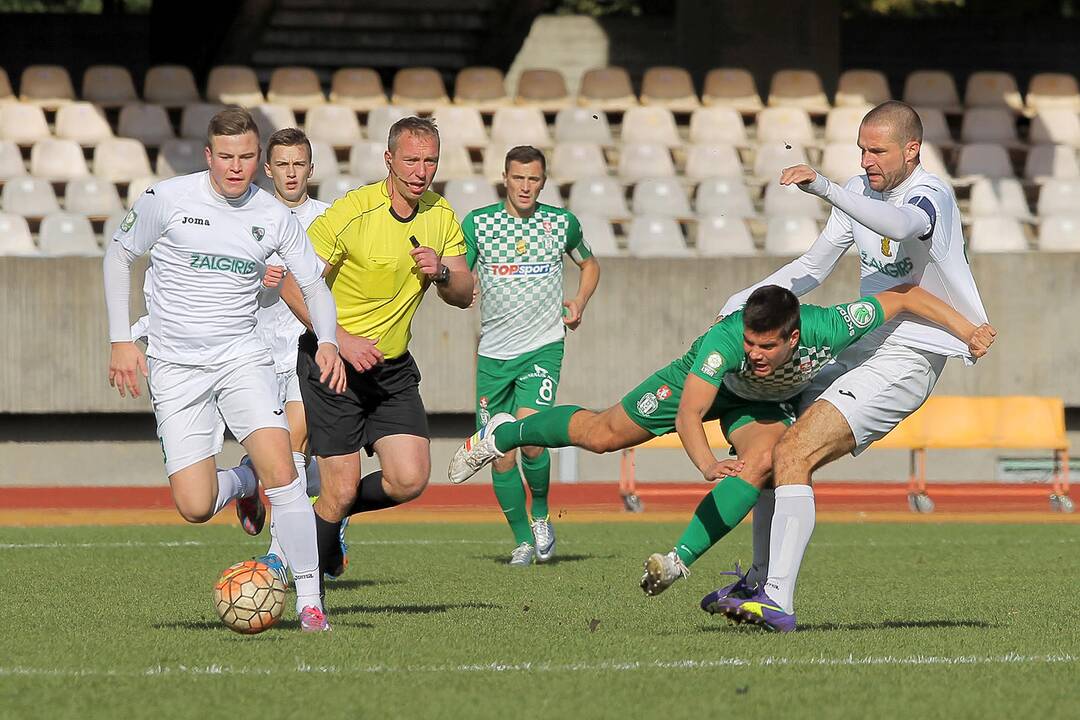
(792, 526)
(763, 516)
(295, 526)
(234, 483)
(311, 473)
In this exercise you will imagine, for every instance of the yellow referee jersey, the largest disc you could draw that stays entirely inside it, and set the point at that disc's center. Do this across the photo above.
(375, 282)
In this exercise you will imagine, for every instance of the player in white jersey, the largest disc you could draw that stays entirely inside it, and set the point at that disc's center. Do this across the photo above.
(209, 235)
(905, 223)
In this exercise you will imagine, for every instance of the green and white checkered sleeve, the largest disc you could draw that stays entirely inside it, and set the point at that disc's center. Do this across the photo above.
(576, 246)
(468, 232)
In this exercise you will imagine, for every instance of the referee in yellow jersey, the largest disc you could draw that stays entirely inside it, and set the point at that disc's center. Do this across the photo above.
(383, 245)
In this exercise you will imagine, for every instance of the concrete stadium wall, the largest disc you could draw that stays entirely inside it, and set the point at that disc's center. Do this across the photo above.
(645, 313)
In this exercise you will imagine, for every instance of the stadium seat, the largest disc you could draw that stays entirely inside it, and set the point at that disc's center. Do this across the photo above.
(6, 93)
(1059, 197)
(358, 88)
(31, 197)
(520, 126)
(930, 158)
(467, 194)
(935, 128)
(717, 126)
(367, 161)
(999, 198)
(550, 195)
(455, 162)
(790, 201)
(732, 87)
(650, 125)
(1046, 162)
(121, 160)
(602, 196)
(669, 87)
(323, 161)
(297, 88)
(842, 123)
(233, 85)
(336, 186)
(987, 89)
(577, 124)
(483, 88)
(419, 87)
(997, 234)
(984, 160)
(789, 125)
(574, 161)
(494, 162)
(82, 122)
(1048, 91)
(11, 162)
(171, 86)
(149, 124)
(67, 234)
(662, 197)
(606, 88)
(790, 235)
(270, 118)
(859, 88)
(23, 124)
(656, 237)
(181, 157)
(990, 125)
(723, 196)
(545, 89)
(640, 161)
(773, 157)
(57, 160)
(798, 89)
(1060, 233)
(195, 119)
(932, 89)
(381, 119)
(599, 234)
(47, 86)
(334, 124)
(460, 125)
(724, 236)
(1055, 127)
(137, 187)
(15, 238)
(92, 196)
(109, 86)
(841, 161)
(706, 161)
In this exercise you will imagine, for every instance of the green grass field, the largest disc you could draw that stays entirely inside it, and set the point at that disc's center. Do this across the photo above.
(947, 621)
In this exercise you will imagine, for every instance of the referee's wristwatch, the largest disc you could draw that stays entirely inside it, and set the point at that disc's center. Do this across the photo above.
(442, 276)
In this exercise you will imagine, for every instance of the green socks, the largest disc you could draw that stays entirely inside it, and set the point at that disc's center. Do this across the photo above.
(510, 493)
(718, 513)
(548, 429)
(537, 472)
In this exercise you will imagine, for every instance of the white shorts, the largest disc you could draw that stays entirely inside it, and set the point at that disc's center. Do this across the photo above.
(288, 387)
(190, 403)
(875, 387)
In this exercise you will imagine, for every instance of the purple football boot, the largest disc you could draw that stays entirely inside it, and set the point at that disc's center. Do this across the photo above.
(739, 590)
(758, 609)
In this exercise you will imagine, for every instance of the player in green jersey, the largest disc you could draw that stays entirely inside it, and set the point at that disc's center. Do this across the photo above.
(516, 249)
(744, 371)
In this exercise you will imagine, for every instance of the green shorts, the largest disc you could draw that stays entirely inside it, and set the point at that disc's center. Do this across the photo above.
(527, 381)
(654, 403)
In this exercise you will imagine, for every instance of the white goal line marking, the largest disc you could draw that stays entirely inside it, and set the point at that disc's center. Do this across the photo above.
(1011, 658)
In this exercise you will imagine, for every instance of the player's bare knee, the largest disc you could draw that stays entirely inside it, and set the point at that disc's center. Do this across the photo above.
(194, 512)
(506, 462)
(407, 486)
(532, 452)
(758, 468)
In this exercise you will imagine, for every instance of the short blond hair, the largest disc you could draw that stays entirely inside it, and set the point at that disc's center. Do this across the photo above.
(415, 125)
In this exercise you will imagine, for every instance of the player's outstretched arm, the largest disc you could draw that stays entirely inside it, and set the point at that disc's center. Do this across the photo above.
(915, 300)
(587, 282)
(126, 360)
(697, 397)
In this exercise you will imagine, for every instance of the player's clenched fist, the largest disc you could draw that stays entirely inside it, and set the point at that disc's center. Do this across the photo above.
(798, 175)
(981, 340)
(427, 261)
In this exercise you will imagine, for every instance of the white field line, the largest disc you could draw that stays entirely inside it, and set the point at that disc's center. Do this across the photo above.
(607, 666)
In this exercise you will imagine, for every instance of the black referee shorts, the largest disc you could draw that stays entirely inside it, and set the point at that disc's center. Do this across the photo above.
(382, 401)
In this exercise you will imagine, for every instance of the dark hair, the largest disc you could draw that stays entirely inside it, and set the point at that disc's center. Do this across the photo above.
(414, 125)
(288, 137)
(525, 154)
(233, 120)
(772, 308)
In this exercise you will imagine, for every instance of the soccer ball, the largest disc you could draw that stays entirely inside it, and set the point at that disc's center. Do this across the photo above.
(249, 598)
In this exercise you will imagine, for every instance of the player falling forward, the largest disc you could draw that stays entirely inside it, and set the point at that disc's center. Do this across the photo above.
(516, 249)
(209, 235)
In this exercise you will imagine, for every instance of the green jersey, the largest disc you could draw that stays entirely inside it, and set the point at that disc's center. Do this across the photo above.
(520, 265)
(717, 357)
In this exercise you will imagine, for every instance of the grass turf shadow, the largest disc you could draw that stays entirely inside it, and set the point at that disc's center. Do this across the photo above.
(883, 625)
(409, 609)
(216, 626)
(502, 559)
(356, 584)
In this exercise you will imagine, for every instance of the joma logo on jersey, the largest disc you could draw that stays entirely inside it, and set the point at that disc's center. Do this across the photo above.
(194, 221)
(520, 269)
(222, 263)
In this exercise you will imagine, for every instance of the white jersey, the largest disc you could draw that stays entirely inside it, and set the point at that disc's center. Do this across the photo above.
(277, 326)
(935, 259)
(209, 255)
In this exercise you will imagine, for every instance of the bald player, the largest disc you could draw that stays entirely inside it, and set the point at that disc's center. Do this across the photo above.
(906, 226)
